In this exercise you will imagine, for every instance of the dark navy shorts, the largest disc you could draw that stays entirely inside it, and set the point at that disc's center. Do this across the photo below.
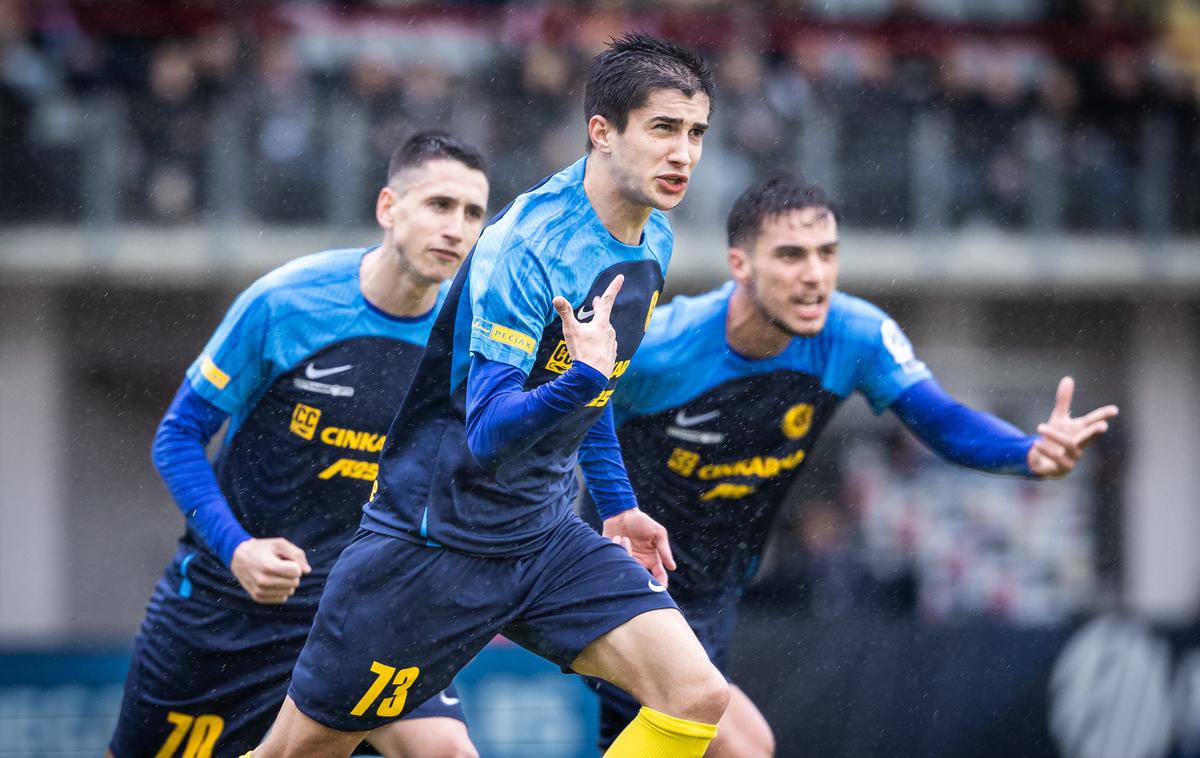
(714, 627)
(208, 681)
(398, 619)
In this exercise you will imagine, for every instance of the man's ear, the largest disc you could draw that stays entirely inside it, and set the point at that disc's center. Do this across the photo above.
(383, 207)
(740, 265)
(600, 132)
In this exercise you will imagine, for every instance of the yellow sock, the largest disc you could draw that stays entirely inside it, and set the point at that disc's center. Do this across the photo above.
(657, 735)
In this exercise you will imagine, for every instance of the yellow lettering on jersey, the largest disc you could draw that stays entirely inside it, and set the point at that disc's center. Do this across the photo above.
(619, 369)
(351, 468)
(512, 338)
(368, 442)
(650, 312)
(304, 421)
(214, 375)
(601, 400)
(560, 359)
(728, 491)
(683, 462)
(758, 467)
(797, 421)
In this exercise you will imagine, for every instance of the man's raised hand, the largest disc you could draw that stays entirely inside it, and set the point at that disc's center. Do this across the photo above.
(269, 569)
(593, 342)
(1062, 439)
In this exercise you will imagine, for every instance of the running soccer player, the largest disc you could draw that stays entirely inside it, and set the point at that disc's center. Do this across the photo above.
(308, 368)
(730, 391)
(472, 530)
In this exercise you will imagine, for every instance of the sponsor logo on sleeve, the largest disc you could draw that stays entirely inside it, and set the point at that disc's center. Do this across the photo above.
(900, 348)
(215, 376)
(505, 336)
(304, 421)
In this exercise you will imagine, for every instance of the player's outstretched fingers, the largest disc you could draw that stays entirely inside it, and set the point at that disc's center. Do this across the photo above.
(603, 304)
(563, 308)
(1068, 443)
(1062, 398)
(1054, 453)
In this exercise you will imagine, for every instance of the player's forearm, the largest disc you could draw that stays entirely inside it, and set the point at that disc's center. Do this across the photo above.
(604, 468)
(963, 435)
(178, 454)
(503, 420)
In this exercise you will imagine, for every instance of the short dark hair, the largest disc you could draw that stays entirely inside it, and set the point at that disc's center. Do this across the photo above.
(622, 78)
(430, 146)
(768, 198)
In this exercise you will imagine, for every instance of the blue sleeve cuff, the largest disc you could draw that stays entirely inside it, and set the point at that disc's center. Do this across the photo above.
(963, 435)
(179, 455)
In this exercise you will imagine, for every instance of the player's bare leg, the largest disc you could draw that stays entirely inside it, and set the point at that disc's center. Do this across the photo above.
(743, 732)
(656, 658)
(431, 737)
(295, 735)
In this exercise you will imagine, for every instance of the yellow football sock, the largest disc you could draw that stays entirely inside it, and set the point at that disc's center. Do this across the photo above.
(657, 735)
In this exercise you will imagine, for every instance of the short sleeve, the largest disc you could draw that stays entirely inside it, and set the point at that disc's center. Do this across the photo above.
(232, 368)
(511, 304)
(889, 366)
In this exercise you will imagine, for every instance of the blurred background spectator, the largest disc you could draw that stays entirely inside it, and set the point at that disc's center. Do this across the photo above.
(931, 114)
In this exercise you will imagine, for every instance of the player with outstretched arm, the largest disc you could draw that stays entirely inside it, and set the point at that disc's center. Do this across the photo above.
(307, 368)
(730, 391)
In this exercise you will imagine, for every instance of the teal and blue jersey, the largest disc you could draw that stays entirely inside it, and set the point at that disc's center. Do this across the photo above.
(310, 374)
(712, 440)
(549, 242)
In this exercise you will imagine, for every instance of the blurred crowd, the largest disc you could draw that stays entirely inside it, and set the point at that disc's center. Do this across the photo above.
(910, 116)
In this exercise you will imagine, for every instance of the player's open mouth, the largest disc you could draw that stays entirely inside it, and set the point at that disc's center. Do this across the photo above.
(673, 183)
(809, 306)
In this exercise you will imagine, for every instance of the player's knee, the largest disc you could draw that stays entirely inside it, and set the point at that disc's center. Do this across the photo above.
(704, 698)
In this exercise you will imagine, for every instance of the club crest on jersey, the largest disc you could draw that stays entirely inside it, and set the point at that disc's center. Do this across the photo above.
(797, 421)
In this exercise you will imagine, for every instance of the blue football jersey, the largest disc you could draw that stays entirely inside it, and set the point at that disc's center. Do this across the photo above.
(310, 374)
(712, 439)
(548, 242)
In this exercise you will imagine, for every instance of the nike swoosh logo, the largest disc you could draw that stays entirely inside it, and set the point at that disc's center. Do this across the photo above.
(655, 587)
(447, 700)
(682, 419)
(312, 372)
(585, 313)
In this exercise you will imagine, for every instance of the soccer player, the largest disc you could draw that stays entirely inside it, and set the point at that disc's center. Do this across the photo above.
(472, 530)
(730, 391)
(308, 368)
